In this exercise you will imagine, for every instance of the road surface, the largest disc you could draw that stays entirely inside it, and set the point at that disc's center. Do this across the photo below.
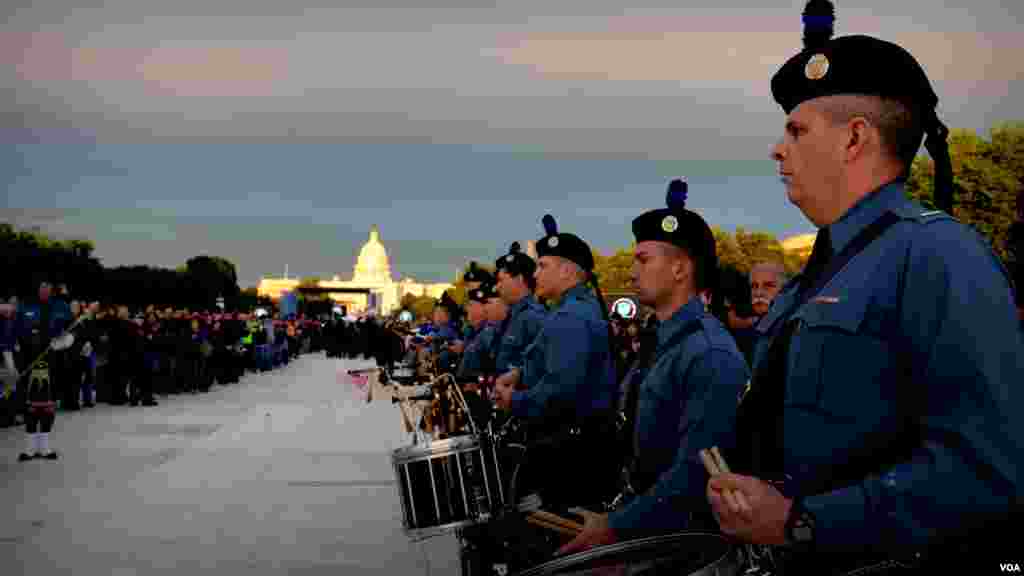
(287, 472)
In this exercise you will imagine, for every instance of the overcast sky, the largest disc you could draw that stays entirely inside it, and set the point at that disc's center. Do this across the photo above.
(274, 132)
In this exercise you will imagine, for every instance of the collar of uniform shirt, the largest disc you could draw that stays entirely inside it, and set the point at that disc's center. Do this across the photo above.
(864, 212)
(578, 291)
(686, 314)
(520, 305)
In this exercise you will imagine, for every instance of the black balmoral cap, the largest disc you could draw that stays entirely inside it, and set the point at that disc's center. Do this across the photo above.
(475, 274)
(677, 225)
(516, 262)
(565, 245)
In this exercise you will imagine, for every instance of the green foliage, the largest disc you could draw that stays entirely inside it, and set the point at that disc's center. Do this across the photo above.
(420, 306)
(987, 176)
(614, 271)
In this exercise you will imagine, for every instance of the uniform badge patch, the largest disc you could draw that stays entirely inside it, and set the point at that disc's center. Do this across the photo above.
(553, 241)
(669, 224)
(817, 67)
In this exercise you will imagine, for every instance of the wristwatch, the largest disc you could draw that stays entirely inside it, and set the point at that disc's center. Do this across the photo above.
(799, 525)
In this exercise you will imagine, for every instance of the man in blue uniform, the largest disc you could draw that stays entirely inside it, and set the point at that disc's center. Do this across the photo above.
(478, 344)
(568, 374)
(884, 416)
(515, 285)
(684, 399)
(446, 341)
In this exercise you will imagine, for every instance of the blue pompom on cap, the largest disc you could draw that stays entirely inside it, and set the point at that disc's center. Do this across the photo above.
(550, 227)
(676, 196)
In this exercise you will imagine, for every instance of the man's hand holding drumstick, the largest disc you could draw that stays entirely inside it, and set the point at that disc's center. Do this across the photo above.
(746, 507)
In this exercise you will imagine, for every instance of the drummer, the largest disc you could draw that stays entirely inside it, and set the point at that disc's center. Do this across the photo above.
(568, 372)
(886, 398)
(447, 341)
(691, 383)
(515, 285)
(479, 342)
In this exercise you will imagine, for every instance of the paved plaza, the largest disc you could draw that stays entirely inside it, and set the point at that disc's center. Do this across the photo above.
(287, 472)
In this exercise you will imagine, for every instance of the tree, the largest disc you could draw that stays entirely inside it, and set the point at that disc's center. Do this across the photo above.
(420, 306)
(987, 176)
(210, 277)
(742, 250)
(614, 272)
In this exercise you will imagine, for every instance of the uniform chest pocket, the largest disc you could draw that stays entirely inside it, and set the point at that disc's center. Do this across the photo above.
(841, 363)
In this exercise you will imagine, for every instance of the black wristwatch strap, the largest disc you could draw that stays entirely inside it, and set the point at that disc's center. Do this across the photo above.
(800, 526)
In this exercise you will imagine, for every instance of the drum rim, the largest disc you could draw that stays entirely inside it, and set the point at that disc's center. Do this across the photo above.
(452, 445)
(560, 563)
(433, 531)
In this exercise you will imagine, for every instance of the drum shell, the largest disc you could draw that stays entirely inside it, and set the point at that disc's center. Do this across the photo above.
(447, 484)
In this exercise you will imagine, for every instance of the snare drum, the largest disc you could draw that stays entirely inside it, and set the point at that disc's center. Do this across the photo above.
(447, 484)
(681, 554)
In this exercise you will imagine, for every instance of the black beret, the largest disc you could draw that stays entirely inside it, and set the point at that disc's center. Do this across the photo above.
(475, 274)
(863, 65)
(568, 246)
(483, 293)
(853, 65)
(680, 227)
(516, 263)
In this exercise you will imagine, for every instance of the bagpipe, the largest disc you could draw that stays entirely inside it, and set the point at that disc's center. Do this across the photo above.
(39, 370)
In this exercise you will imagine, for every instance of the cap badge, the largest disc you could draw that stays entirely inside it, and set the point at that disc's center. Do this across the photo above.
(553, 241)
(510, 258)
(669, 224)
(817, 67)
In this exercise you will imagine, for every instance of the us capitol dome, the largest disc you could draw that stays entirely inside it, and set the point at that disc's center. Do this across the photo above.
(372, 272)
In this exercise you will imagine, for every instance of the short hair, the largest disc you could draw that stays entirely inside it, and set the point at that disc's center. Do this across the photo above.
(899, 124)
(700, 283)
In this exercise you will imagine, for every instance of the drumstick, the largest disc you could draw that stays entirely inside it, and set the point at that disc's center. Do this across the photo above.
(740, 498)
(555, 522)
(714, 470)
(553, 527)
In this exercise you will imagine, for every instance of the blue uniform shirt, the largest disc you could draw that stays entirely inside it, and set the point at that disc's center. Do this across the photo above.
(922, 313)
(474, 356)
(569, 363)
(525, 319)
(686, 403)
(446, 334)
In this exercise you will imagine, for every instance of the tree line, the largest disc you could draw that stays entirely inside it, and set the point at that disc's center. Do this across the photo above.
(30, 257)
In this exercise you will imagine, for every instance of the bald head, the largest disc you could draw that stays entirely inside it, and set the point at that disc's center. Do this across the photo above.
(766, 279)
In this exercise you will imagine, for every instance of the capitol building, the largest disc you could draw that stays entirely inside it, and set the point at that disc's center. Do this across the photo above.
(372, 273)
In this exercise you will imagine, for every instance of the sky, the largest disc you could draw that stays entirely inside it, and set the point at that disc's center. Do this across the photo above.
(276, 133)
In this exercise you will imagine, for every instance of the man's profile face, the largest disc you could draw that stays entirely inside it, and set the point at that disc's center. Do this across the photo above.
(653, 273)
(764, 287)
(808, 161)
(495, 310)
(547, 275)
